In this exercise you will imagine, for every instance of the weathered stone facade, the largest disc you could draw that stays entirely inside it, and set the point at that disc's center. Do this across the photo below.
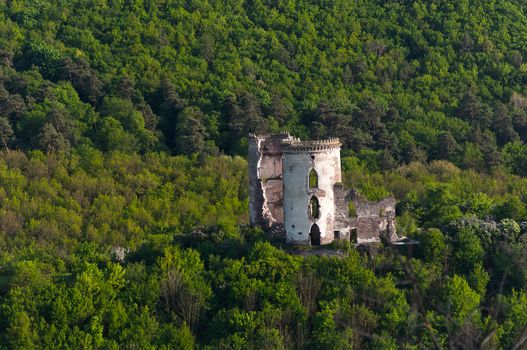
(265, 179)
(309, 208)
(296, 185)
(368, 222)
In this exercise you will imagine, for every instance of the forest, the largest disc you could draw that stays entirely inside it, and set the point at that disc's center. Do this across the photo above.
(123, 178)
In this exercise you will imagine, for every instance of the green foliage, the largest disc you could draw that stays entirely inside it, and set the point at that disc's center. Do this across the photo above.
(479, 204)
(183, 288)
(440, 206)
(313, 179)
(433, 245)
(468, 250)
(515, 316)
(397, 82)
(192, 277)
(106, 241)
(461, 301)
(478, 279)
(327, 336)
(352, 211)
(190, 131)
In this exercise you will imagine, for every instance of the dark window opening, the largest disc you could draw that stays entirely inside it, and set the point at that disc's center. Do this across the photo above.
(313, 179)
(353, 235)
(300, 233)
(293, 226)
(314, 208)
(312, 157)
(336, 234)
(315, 235)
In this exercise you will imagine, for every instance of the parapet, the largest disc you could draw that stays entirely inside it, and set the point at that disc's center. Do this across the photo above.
(296, 145)
(289, 143)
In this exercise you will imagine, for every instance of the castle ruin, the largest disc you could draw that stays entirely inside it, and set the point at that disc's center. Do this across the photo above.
(296, 186)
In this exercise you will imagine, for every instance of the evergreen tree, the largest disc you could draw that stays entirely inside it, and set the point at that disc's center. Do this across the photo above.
(190, 132)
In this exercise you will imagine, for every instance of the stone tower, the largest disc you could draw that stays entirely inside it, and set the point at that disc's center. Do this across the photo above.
(265, 179)
(295, 187)
(310, 171)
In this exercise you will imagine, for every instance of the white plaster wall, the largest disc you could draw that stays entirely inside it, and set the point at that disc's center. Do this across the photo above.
(296, 168)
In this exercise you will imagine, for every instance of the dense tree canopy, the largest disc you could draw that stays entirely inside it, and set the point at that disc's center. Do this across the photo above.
(397, 81)
(123, 187)
(124, 250)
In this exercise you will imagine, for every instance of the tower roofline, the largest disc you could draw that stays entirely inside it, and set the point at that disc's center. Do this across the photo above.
(295, 145)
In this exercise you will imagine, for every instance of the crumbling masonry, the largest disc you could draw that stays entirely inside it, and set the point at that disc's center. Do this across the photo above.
(296, 186)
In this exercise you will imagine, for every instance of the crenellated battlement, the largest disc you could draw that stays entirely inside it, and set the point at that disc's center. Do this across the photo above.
(289, 143)
(296, 145)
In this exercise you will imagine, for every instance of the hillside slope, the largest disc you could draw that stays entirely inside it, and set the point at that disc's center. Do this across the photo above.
(396, 80)
(123, 227)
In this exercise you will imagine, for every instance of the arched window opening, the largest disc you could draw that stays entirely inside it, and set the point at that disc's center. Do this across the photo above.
(314, 208)
(313, 179)
(315, 235)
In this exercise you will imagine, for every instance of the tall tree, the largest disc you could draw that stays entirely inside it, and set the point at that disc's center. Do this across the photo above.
(472, 109)
(502, 125)
(447, 146)
(190, 132)
(50, 140)
(244, 114)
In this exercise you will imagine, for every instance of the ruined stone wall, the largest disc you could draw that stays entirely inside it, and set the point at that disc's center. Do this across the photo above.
(365, 208)
(367, 229)
(265, 179)
(341, 217)
(371, 221)
(299, 159)
(381, 213)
